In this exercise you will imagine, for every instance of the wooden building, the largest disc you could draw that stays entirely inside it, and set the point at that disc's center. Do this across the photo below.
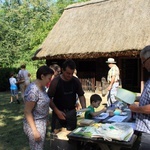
(90, 32)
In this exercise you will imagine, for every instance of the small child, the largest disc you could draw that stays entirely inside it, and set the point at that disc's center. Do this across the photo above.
(95, 101)
(13, 88)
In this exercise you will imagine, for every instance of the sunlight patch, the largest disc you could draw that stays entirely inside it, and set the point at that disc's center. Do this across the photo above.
(2, 124)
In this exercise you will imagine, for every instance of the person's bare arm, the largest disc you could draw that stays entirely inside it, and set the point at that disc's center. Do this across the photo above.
(59, 113)
(82, 101)
(28, 114)
(29, 75)
(94, 114)
(111, 83)
(140, 109)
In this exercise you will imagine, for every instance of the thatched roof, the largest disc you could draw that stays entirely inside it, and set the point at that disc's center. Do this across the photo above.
(99, 28)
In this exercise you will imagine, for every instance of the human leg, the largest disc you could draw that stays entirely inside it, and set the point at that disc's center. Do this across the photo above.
(22, 89)
(16, 95)
(71, 120)
(11, 99)
(41, 127)
(17, 99)
(12, 95)
(109, 103)
(113, 92)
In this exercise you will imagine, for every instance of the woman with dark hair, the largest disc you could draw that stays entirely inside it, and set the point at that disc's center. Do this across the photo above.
(37, 108)
(57, 71)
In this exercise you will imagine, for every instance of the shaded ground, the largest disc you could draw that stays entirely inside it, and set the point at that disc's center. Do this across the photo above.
(12, 136)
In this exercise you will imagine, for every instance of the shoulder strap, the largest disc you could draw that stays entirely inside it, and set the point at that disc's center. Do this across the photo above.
(55, 85)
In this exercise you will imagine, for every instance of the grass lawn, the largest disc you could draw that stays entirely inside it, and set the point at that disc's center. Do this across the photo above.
(12, 136)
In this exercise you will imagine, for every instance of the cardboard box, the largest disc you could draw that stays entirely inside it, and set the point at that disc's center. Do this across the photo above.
(60, 141)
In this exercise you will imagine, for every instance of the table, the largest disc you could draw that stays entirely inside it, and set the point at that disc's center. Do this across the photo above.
(106, 120)
(128, 119)
(103, 144)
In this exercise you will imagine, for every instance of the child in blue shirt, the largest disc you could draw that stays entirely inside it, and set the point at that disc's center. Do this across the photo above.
(95, 101)
(13, 88)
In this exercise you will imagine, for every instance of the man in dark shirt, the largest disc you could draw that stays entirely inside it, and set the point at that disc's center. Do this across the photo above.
(62, 92)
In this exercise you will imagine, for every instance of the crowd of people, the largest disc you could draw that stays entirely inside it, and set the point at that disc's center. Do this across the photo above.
(21, 81)
(60, 89)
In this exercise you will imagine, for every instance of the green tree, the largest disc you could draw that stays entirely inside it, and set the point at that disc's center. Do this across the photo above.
(24, 25)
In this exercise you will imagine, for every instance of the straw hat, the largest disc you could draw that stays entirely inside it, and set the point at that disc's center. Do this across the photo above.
(111, 61)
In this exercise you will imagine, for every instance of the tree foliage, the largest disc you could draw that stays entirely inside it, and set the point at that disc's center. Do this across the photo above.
(24, 25)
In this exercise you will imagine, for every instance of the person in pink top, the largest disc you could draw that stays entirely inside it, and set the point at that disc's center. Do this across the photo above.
(57, 71)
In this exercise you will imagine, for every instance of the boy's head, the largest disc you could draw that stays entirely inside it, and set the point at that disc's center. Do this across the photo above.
(11, 74)
(95, 100)
(23, 66)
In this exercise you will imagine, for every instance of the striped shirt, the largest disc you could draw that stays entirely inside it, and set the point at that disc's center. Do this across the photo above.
(143, 120)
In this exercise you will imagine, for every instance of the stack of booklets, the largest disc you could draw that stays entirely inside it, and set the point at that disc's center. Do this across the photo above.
(114, 131)
(86, 122)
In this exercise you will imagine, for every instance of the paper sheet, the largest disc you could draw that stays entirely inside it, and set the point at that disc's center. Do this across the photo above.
(117, 118)
(102, 116)
(131, 124)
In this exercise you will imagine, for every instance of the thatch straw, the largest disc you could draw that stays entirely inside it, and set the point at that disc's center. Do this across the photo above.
(99, 28)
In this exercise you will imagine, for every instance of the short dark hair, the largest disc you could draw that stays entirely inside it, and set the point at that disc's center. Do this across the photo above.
(23, 66)
(55, 67)
(95, 98)
(11, 74)
(43, 70)
(70, 64)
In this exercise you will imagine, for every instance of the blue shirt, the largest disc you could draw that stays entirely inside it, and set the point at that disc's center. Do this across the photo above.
(13, 82)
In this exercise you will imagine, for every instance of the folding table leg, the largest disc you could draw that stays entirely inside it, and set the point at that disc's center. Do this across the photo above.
(103, 146)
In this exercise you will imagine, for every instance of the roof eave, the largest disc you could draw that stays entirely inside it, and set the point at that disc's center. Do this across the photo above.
(125, 53)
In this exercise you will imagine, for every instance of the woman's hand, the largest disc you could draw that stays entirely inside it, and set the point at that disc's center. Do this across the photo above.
(37, 136)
